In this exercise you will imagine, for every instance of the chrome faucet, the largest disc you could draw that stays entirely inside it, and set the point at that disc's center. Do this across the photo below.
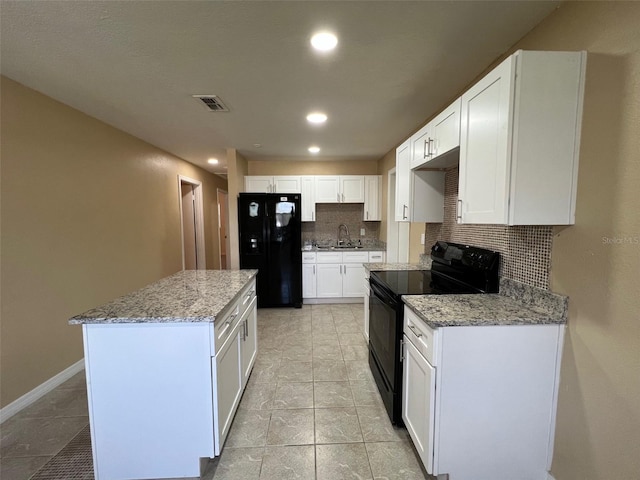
(346, 229)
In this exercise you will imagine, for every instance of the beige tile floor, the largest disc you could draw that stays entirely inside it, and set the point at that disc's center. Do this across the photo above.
(311, 410)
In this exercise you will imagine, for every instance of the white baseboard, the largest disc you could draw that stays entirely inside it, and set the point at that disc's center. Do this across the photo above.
(41, 390)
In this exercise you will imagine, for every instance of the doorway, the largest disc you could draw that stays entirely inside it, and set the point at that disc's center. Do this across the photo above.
(397, 232)
(223, 229)
(191, 223)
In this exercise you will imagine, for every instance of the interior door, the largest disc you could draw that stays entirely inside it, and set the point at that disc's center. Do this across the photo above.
(190, 243)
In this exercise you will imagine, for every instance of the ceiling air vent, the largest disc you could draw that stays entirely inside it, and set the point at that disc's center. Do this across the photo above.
(213, 103)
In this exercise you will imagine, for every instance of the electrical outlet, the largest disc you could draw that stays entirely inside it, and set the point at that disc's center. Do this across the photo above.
(362, 232)
(422, 239)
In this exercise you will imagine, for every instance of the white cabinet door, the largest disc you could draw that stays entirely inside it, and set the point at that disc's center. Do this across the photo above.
(309, 280)
(249, 344)
(446, 131)
(287, 184)
(352, 275)
(329, 280)
(258, 184)
(228, 385)
(327, 189)
(403, 182)
(352, 188)
(484, 147)
(418, 395)
(372, 198)
(308, 198)
(422, 145)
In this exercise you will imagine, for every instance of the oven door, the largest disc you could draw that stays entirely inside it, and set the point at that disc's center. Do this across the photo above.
(383, 331)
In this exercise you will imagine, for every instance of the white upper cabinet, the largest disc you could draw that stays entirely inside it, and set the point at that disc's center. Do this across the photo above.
(308, 198)
(372, 198)
(258, 184)
(519, 141)
(287, 184)
(272, 184)
(403, 182)
(327, 189)
(446, 136)
(340, 189)
(435, 144)
(352, 188)
(419, 193)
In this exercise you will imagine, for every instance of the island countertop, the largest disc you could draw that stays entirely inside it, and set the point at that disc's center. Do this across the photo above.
(187, 296)
(478, 310)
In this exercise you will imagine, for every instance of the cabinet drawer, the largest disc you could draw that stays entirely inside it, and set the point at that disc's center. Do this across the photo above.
(421, 335)
(308, 257)
(376, 257)
(246, 297)
(355, 257)
(225, 325)
(329, 257)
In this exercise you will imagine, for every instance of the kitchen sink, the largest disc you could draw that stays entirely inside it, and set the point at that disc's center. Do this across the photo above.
(339, 247)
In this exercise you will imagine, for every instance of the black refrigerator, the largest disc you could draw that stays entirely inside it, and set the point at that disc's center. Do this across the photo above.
(270, 240)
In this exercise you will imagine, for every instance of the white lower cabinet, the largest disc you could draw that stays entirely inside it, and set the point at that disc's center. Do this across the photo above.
(479, 402)
(418, 394)
(335, 274)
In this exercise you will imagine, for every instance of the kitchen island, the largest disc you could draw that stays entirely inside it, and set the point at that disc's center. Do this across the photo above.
(166, 367)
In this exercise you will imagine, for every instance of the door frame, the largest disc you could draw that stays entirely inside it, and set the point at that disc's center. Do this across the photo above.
(201, 263)
(228, 239)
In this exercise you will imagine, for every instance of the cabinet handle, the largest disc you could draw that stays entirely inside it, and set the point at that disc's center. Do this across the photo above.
(367, 215)
(246, 329)
(404, 215)
(459, 215)
(415, 332)
(401, 351)
(430, 152)
(314, 269)
(424, 150)
(312, 215)
(338, 198)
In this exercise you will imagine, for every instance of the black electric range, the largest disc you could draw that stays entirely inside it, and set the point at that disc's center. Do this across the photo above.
(456, 269)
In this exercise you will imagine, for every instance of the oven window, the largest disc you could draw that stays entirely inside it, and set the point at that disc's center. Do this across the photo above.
(382, 334)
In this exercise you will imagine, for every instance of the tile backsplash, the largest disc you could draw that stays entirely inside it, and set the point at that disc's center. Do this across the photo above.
(330, 215)
(525, 250)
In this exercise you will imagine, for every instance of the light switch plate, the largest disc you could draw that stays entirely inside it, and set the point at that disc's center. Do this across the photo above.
(422, 239)
(362, 232)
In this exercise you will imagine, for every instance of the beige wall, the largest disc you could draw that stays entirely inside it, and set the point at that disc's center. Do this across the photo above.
(88, 213)
(598, 428)
(313, 167)
(415, 247)
(237, 168)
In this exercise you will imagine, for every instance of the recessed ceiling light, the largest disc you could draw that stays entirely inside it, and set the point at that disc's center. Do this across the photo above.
(213, 161)
(314, 149)
(257, 145)
(316, 117)
(324, 41)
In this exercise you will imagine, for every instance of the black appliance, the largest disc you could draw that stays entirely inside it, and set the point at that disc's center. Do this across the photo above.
(455, 269)
(270, 240)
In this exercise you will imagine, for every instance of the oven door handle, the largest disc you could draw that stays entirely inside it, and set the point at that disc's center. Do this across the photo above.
(383, 296)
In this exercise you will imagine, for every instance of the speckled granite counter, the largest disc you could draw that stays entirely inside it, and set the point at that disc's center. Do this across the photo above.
(476, 310)
(187, 296)
(364, 248)
(394, 266)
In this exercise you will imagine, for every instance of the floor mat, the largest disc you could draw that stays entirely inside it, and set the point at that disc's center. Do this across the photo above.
(73, 462)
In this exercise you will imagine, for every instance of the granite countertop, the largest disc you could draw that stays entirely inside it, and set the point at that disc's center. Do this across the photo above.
(516, 304)
(187, 296)
(394, 266)
(364, 248)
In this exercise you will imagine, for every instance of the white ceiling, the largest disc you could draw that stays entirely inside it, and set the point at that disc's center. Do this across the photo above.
(135, 65)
